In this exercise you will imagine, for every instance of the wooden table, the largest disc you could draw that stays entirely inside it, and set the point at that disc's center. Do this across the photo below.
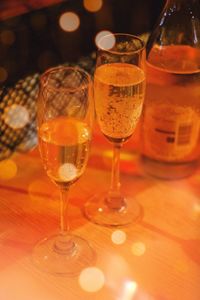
(156, 259)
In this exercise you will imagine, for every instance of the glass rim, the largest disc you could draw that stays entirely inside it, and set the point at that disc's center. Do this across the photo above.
(57, 68)
(135, 37)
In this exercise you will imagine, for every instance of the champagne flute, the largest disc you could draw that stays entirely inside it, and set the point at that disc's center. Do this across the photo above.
(119, 87)
(65, 114)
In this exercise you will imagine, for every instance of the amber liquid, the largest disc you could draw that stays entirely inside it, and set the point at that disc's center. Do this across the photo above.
(119, 94)
(64, 146)
(171, 116)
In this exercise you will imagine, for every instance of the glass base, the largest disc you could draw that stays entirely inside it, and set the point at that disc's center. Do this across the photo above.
(98, 211)
(57, 256)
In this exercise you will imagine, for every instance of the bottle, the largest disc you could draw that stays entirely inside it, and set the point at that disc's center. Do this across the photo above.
(171, 116)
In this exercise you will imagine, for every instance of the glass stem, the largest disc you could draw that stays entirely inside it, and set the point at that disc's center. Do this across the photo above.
(115, 199)
(64, 243)
(64, 203)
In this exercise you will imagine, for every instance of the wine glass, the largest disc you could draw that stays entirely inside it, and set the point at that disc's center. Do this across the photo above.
(119, 87)
(65, 115)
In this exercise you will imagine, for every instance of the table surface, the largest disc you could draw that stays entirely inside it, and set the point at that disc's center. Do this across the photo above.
(157, 259)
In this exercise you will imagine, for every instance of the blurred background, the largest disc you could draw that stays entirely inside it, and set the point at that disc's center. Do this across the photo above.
(33, 35)
(38, 34)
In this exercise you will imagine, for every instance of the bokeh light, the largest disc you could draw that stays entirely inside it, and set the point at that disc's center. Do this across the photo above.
(7, 37)
(138, 248)
(8, 169)
(196, 208)
(93, 5)
(106, 45)
(67, 172)
(16, 116)
(118, 237)
(130, 288)
(91, 279)
(3, 74)
(69, 21)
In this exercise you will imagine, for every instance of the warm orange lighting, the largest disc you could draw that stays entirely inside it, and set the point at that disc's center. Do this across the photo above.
(196, 207)
(107, 153)
(118, 237)
(3, 74)
(120, 266)
(130, 288)
(181, 266)
(106, 45)
(16, 116)
(124, 155)
(69, 21)
(196, 211)
(39, 188)
(7, 37)
(93, 5)
(138, 248)
(8, 169)
(91, 279)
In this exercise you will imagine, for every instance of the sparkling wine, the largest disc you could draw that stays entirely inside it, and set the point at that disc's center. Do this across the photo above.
(119, 94)
(64, 147)
(171, 118)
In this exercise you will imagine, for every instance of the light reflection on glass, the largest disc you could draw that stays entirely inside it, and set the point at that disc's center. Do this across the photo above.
(67, 172)
(91, 279)
(69, 21)
(93, 5)
(109, 44)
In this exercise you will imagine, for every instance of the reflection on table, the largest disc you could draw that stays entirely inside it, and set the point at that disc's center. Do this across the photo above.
(155, 259)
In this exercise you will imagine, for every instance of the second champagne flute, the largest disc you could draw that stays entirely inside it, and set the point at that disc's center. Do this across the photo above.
(65, 114)
(119, 86)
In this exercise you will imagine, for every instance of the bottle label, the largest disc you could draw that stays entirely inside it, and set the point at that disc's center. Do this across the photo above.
(170, 132)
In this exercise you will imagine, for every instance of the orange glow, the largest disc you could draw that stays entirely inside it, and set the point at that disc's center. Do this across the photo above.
(130, 289)
(16, 116)
(109, 43)
(181, 266)
(124, 155)
(196, 211)
(8, 169)
(118, 237)
(69, 21)
(93, 5)
(138, 248)
(91, 279)
(3, 74)
(39, 188)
